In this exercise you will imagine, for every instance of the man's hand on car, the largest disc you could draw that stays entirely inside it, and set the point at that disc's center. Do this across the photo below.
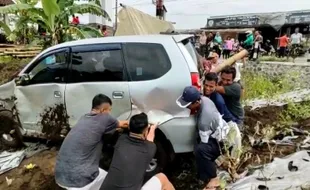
(123, 124)
(151, 135)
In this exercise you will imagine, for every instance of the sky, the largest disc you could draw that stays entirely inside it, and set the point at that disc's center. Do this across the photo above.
(193, 14)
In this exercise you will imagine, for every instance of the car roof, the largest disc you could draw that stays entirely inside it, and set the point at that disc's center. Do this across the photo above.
(120, 39)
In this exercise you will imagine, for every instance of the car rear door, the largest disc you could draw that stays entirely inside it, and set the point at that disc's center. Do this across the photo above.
(94, 69)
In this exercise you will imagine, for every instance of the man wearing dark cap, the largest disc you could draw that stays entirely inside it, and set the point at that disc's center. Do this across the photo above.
(212, 132)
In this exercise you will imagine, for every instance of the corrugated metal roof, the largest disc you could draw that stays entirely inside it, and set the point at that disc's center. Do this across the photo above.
(260, 14)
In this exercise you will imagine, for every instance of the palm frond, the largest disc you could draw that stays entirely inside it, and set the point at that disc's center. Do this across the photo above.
(38, 12)
(14, 8)
(5, 28)
(73, 30)
(83, 31)
(91, 8)
(91, 31)
(64, 3)
(97, 2)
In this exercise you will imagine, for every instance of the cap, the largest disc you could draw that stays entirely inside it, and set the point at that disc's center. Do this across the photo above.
(212, 55)
(190, 95)
(248, 32)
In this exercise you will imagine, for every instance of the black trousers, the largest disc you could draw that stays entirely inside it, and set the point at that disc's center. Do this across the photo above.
(282, 51)
(226, 53)
(217, 50)
(203, 50)
(206, 154)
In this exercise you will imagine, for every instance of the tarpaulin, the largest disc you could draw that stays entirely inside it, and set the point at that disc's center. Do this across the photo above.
(135, 22)
(290, 172)
(280, 100)
(11, 160)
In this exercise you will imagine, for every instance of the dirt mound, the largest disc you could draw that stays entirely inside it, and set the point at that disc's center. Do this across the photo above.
(266, 115)
(39, 178)
(9, 67)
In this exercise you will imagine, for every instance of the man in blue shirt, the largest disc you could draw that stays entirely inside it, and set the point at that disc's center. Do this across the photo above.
(210, 83)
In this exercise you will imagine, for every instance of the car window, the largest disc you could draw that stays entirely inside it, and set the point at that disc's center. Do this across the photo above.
(97, 66)
(51, 69)
(146, 61)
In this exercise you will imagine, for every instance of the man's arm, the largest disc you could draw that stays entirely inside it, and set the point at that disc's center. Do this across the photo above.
(123, 124)
(220, 105)
(151, 135)
(231, 90)
(220, 89)
(114, 124)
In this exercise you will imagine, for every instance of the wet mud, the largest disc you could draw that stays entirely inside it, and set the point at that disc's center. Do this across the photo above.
(55, 122)
(40, 177)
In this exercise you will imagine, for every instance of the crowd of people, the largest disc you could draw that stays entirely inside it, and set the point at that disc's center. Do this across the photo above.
(254, 42)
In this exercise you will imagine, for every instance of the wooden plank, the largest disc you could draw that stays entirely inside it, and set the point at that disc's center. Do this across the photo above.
(25, 52)
(7, 45)
(24, 56)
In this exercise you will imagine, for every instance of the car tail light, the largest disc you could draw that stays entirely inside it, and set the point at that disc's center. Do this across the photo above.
(196, 80)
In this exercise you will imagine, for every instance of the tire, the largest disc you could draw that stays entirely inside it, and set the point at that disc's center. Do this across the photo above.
(10, 135)
(161, 160)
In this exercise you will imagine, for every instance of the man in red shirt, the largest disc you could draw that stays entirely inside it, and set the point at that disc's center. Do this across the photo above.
(283, 43)
(75, 20)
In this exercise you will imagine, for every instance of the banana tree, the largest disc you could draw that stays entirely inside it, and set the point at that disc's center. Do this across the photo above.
(21, 19)
(54, 17)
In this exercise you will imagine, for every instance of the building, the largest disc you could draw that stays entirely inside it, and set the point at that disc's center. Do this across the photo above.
(271, 25)
(106, 5)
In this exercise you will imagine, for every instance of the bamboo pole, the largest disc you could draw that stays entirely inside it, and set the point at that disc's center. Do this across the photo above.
(231, 60)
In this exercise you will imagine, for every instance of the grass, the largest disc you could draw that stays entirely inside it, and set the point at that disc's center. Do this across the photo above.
(296, 112)
(9, 66)
(275, 59)
(262, 86)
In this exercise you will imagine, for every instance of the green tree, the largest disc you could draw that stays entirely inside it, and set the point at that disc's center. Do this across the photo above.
(54, 18)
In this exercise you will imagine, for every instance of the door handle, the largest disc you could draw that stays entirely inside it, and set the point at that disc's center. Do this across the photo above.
(57, 94)
(118, 95)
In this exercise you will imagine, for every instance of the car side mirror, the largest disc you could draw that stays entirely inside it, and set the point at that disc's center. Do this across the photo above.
(22, 80)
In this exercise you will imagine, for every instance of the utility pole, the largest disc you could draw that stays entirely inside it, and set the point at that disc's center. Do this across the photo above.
(116, 14)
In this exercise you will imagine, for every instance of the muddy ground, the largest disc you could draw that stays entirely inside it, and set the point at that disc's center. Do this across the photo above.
(182, 173)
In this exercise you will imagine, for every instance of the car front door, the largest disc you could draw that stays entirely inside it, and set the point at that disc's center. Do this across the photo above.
(40, 99)
(97, 69)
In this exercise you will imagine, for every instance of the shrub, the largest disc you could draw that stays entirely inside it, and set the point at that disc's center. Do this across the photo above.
(9, 66)
(262, 86)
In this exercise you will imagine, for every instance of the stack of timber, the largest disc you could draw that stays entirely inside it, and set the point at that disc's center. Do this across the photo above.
(18, 51)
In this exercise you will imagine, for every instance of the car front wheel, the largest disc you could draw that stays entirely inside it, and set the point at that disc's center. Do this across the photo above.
(10, 135)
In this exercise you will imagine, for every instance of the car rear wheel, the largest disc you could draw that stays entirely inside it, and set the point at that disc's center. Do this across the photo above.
(10, 135)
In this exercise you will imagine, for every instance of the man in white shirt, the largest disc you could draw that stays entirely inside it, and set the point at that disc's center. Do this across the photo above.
(296, 37)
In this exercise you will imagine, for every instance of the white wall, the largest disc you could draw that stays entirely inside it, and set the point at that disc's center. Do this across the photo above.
(107, 5)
